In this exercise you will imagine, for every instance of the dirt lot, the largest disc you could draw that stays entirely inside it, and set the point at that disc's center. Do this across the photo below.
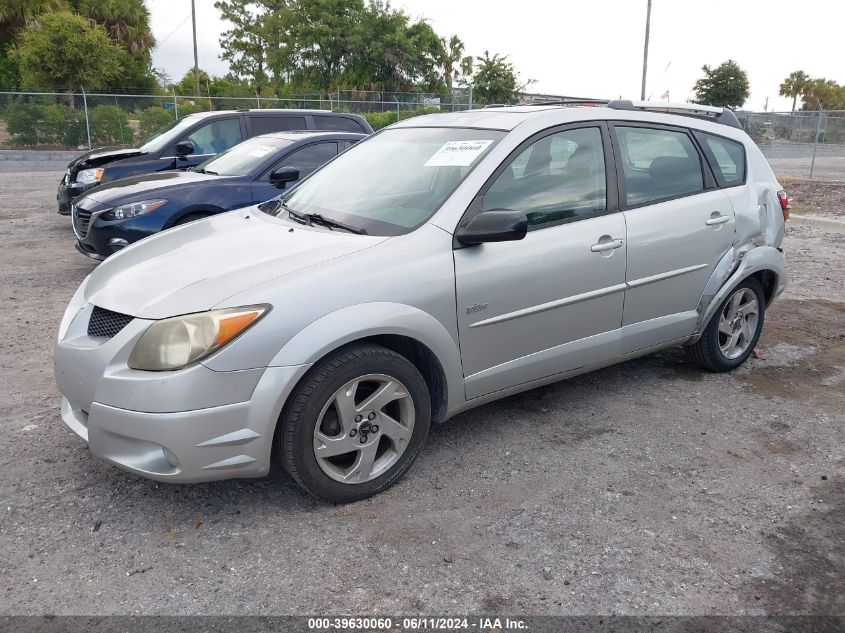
(649, 487)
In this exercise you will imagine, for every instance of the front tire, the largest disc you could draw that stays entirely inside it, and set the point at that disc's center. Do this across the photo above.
(355, 424)
(733, 330)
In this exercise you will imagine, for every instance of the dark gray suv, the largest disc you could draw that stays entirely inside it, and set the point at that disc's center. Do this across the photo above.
(190, 141)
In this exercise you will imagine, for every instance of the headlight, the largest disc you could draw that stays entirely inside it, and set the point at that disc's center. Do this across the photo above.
(181, 341)
(90, 176)
(125, 211)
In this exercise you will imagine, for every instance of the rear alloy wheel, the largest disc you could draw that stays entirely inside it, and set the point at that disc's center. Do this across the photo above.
(733, 331)
(355, 424)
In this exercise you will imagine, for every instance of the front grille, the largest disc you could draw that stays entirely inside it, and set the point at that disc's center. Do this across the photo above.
(81, 219)
(105, 323)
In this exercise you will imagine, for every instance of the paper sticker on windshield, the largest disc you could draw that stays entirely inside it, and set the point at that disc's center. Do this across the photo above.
(261, 151)
(457, 154)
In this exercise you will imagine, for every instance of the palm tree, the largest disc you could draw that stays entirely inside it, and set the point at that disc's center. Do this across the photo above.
(18, 14)
(127, 21)
(794, 85)
(453, 61)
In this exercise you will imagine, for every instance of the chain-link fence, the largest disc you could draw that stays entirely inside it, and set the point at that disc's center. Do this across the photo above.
(76, 120)
(802, 144)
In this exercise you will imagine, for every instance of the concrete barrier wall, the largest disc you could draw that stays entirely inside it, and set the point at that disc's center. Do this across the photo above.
(35, 160)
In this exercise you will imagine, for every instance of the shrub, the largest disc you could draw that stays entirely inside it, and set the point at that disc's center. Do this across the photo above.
(153, 120)
(378, 120)
(32, 124)
(110, 126)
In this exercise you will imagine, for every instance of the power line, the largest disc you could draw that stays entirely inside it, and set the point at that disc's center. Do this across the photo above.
(173, 32)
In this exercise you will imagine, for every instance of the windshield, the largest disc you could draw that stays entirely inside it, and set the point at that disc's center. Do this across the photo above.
(395, 181)
(244, 158)
(167, 136)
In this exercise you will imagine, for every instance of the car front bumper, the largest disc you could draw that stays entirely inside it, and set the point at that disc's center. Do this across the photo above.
(66, 192)
(190, 425)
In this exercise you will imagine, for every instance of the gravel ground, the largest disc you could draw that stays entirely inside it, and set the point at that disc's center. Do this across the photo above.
(649, 487)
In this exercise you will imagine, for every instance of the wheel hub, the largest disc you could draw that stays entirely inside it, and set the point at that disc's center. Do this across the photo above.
(364, 426)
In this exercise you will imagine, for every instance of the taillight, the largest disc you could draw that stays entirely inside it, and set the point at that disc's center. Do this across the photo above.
(784, 204)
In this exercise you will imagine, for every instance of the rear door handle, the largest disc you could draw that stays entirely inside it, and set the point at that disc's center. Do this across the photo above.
(606, 246)
(719, 219)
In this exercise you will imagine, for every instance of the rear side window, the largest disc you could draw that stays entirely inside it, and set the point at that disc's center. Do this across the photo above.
(730, 158)
(267, 124)
(336, 124)
(658, 164)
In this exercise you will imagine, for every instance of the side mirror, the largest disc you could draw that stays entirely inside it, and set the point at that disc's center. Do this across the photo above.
(283, 175)
(497, 225)
(183, 148)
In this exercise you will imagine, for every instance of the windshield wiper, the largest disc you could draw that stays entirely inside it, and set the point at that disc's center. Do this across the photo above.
(316, 218)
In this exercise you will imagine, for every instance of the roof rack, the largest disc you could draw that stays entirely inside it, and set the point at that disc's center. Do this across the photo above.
(696, 110)
(569, 102)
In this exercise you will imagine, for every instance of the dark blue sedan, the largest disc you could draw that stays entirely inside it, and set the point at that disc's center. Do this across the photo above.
(118, 213)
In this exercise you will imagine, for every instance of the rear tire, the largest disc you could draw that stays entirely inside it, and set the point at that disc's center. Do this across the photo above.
(355, 424)
(733, 330)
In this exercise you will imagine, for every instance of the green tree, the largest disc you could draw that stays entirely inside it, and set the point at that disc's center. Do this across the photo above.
(725, 86)
(64, 51)
(495, 80)
(126, 21)
(794, 85)
(454, 62)
(823, 93)
(16, 15)
(244, 45)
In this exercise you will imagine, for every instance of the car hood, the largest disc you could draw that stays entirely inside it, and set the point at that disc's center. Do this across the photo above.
(147, 183)
(195, 267)
(102, 155)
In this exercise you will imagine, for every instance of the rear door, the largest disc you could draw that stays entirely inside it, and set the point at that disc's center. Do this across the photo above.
(267, 123)
(679, 225)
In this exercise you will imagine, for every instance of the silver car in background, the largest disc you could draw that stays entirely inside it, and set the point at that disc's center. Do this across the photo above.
(445, 262)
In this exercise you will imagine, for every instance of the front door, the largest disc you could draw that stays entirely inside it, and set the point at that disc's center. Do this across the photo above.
(679, 227)
(553, 301)
(306, 159)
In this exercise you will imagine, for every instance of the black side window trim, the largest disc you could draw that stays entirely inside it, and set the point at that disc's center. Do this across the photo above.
(706, 170)
(612, 201)
(714, 164)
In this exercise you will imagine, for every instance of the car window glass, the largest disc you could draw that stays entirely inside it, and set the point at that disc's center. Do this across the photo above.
(395, 180)
(730, 159)
(336, 124)
(658, 164)
(559, 177)
(309, 158)
(215, 137)
(265, 124)
(245, 158)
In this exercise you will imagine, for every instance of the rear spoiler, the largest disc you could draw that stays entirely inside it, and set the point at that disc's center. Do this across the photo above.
(698, 111)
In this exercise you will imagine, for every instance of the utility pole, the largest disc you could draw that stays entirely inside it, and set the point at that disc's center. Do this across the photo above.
(196, 63)
(645, 49)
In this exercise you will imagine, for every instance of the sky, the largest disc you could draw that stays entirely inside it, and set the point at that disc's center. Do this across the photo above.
(591, 48)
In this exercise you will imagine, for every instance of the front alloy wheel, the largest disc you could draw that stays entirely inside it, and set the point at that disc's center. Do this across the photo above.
(354, 424)
(364, 428)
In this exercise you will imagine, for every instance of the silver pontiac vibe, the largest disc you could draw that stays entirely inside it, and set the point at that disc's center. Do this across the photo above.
(444, 262)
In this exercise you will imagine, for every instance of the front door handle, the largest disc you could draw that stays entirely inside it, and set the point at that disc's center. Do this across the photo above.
(606, 246)
(718, 219)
